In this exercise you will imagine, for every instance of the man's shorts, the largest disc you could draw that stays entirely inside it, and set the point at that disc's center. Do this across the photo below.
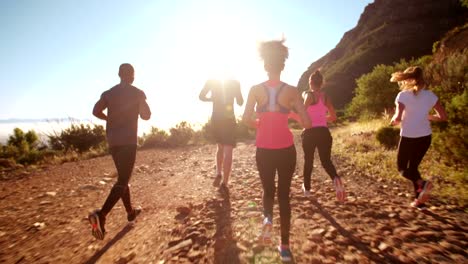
(224, 131)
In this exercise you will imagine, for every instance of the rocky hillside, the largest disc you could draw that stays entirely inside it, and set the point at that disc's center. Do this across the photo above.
(387, 31)
(455, 40)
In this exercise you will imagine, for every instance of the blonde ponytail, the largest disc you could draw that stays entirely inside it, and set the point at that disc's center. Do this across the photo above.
(410, 79)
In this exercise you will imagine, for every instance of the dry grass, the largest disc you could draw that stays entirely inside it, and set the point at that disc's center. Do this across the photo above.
(357, 145)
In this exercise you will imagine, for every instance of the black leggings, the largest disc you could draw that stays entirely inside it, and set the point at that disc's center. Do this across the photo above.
(410, 154)
(124, 159)
(320, 138)
(268, 162)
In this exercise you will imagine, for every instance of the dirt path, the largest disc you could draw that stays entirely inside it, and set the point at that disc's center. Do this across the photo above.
(185, 220)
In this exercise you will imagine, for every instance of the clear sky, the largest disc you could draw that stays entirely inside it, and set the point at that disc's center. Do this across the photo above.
(57, 56)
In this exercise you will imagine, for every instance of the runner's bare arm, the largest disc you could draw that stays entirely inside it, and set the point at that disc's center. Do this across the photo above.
(145, 112)
(308, 99)
(99, 108)
(249, 109)
(239, 98)
(203, 94)
(396, 119)
(300, 109)
(331, 110)
(440, 115)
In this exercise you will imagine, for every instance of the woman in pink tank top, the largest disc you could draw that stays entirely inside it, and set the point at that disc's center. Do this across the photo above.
(273, 101)
(320, 111)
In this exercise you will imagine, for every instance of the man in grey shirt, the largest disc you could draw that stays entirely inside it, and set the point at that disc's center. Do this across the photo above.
(124, 103)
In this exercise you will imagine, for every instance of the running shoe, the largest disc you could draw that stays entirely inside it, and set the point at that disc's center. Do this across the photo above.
(339, 188)
(285, 253)
(420, 206)
(217, 180)
(97, 222)
(424, 191)
(134, 213)
(223, 189)
(306, 192)
(265, 236)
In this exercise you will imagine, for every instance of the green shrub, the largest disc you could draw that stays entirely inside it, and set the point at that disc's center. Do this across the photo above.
(156, 138)
(388, 136)
(449, 80)
(31, 157)
(79, 138)
(180, 135)
(374, 93)
(23, 140)
(22, 148)
(464, 3)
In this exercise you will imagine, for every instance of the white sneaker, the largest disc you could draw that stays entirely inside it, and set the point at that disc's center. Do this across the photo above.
(265, 235)
(306, 192)
(339, 188)
(424, 191)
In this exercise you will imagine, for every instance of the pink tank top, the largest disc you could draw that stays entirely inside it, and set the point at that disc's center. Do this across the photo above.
(273, 130)
(318, 113)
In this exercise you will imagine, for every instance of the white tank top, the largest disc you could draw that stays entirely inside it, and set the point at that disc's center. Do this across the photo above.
(415, 122)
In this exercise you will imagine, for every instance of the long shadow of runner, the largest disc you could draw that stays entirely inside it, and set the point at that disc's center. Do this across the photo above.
(385, 258)
(226, 250)
(109, 244)
(444, 221)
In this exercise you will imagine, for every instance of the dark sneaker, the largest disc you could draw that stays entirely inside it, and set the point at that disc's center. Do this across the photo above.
(135, 212)
(217, 180)
(97, 222)
(339, 189)
(265, 235)
(223, 189)
(424, 192)
(420, 206)
(285, 253)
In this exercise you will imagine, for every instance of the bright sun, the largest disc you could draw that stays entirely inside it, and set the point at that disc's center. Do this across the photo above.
(225, 49)
(211, 47)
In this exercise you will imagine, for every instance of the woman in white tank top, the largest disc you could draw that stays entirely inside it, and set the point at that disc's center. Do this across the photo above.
(413, 105)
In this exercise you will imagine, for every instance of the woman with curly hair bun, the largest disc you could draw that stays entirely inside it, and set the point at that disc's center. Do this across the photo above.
(273, 100)
(413, 105)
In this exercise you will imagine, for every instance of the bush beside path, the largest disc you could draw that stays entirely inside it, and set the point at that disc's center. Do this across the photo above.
(186, 220)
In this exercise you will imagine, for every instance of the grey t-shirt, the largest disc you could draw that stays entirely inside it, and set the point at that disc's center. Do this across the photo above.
(123, 109)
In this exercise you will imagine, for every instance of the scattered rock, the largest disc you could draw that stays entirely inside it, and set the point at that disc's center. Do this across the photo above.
(53, 194)
(126, 259)
(383, 246)
(184, 244)
(39, 225)
(183, 210)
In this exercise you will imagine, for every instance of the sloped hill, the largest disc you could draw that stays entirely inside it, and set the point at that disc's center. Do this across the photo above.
(387, 31)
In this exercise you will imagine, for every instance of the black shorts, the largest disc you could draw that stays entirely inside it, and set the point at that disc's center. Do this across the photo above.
(224, 131)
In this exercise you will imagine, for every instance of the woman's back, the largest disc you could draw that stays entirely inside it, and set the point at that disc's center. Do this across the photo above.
(317, 111)
(415, 122)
